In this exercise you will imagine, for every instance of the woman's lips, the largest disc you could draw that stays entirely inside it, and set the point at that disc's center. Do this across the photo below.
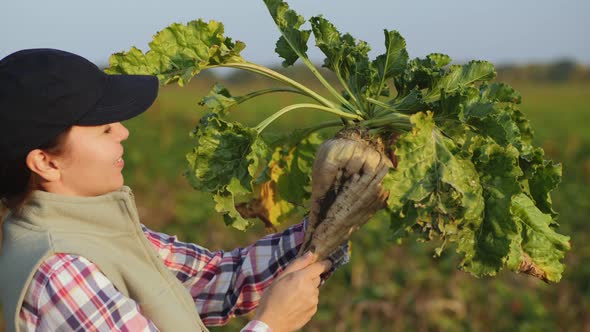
(120, 162)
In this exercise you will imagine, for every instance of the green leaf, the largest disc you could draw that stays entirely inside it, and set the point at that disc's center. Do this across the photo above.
(226, 159)
(329, 40)
(285, 51)
(135, 62)
(293, 42)
(295, 163)
(348, 59)
(286, 181)
(402, 222)
(498, 236)
(452, 106)
(525, 129)
(461, 76)
(439, 60)
(219, 100)
(480, 112)
(544, 247)
(342, 51)
(495, 122)
(540, 178)
(395, 59)
(409, 104)
(362, 80)
(293, 45)
(432, 178)
(421, 73)
(226, 155)
(225, 204)
(515, 232)
(501, 92)
(179, 52)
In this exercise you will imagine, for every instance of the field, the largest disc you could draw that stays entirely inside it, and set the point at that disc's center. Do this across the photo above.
(386, 287)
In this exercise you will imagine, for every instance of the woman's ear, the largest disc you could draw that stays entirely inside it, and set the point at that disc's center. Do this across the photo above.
(44, 165)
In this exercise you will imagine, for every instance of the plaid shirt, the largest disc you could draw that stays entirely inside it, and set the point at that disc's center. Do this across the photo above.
(68, 292)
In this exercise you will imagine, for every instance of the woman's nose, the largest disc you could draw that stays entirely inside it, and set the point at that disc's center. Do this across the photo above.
(123, 131)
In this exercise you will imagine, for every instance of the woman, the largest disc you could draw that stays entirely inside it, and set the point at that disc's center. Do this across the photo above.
(74, 253)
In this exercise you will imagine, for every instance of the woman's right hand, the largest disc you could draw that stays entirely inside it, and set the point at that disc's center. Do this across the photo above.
(292, 299)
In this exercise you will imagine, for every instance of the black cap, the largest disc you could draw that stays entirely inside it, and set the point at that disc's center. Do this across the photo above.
(43, 92)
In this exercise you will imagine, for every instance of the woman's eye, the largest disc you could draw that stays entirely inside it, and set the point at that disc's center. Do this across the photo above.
(107, 130)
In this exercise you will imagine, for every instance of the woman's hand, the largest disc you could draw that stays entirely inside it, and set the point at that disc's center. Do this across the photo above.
(292, 299)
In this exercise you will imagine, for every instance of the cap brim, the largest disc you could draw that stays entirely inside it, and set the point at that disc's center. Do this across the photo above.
(125, 97)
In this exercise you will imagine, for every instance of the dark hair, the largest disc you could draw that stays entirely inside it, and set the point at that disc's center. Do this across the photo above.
(16, 180)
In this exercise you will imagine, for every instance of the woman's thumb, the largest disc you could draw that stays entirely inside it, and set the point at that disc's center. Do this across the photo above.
(300, 263)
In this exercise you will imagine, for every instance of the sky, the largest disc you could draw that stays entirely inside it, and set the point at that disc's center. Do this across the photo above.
(500, 31)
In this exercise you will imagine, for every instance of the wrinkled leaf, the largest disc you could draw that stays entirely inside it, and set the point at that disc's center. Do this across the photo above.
(226, 155)
(295, 165)
(439, 60)
(540, 243)
(225, 204)
(395, 59)
(219, 100)
(421, 73)
(498, 236)
(348, 59)
(226, 159)
(460, 76)
(495, 122)
(540, 178)
(432, 182)
(293, 43)
(179, 52)
(501, 92)
(286, 184)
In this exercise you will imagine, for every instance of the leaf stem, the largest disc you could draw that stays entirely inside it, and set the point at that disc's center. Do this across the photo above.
(381, 104)
(327, 124)
(260, 127)
(347, 88)
(325, 83)
(267, 91)
(395, 120)
(382, 83)
(249, 66)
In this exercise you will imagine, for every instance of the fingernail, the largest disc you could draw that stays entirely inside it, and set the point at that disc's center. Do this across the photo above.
(307, 254)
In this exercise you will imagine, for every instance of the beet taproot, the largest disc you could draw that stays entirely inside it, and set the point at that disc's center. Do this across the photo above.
(346, 189)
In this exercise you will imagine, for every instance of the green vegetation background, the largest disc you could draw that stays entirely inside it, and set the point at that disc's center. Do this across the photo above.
(388, 287)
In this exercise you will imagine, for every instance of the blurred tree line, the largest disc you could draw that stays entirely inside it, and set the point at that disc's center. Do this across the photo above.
(565, 70)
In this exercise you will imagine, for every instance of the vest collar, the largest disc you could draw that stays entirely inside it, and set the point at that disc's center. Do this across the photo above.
(114, 212)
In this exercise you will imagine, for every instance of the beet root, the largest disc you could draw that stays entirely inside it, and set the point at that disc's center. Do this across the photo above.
(346, 190)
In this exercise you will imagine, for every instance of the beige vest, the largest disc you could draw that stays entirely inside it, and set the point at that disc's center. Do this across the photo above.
(104, 229)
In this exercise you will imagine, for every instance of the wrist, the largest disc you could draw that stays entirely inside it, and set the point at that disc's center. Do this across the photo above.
(272, 326)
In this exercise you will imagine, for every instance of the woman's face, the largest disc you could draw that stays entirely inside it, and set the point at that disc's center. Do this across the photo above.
(92, 160)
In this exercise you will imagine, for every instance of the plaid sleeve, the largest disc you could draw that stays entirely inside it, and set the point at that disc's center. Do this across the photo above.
(226, 284)
(69, 293)
(256, 326)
